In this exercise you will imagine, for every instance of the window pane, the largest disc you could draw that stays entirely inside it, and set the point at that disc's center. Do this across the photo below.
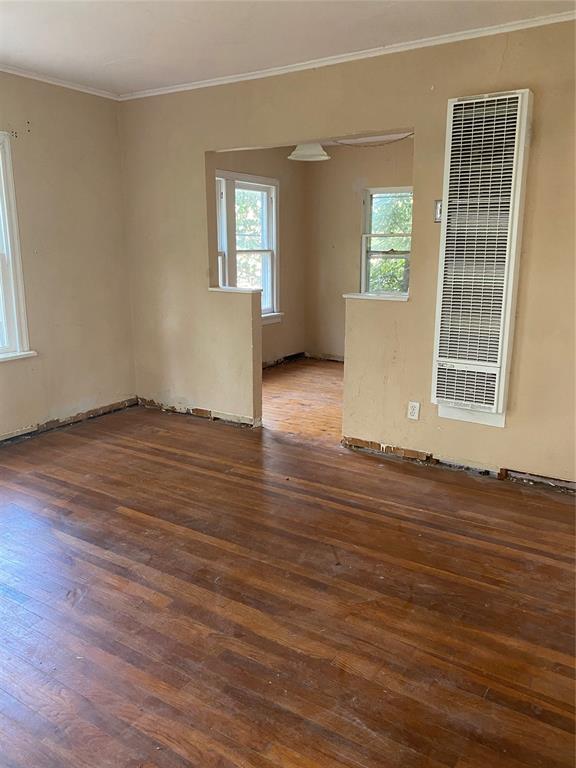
(248, 270)
(251, 219)
(391, 212)
(254, 270)
(386, 275)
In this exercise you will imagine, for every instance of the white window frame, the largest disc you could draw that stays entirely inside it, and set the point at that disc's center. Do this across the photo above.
(367, 234)
(12, 299)
(226, 184)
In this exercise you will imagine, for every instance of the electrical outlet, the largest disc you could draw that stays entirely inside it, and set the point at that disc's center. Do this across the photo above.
(413, 410)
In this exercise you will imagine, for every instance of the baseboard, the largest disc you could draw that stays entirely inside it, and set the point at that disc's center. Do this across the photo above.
(48, 426)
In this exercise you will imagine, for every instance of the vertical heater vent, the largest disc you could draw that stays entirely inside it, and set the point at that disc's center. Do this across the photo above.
(467, 387)
(481, 207)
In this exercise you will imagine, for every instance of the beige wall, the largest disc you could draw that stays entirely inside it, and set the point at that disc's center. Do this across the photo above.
(289, 336)
(389, 346)
(67, 176)
(334, 195)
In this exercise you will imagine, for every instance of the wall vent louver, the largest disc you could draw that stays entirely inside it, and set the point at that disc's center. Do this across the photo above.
(484, 175)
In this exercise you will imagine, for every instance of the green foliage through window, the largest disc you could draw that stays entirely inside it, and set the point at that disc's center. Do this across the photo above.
(388, 242)
(391, 213)
(251, 225)
(387, 275)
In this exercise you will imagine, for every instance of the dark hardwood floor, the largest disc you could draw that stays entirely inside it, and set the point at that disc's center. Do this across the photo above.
(304, 397)
(176, 593)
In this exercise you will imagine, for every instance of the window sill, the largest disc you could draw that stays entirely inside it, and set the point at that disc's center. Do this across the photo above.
(232, 289)
(272, 317)
(377, 296)
(16, 355)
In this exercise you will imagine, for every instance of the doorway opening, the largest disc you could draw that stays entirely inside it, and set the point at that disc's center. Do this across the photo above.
(306, 234)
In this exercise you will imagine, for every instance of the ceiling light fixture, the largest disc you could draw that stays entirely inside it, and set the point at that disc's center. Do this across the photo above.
(309, 153)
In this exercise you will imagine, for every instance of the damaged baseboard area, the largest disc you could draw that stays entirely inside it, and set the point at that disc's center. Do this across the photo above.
(422, 457)
(390, 450)
(322, 356)
(354, 443)
(47, 426)
(302, 356)
(202, 413)
(282, 360)
(93, 413)
(530, 479)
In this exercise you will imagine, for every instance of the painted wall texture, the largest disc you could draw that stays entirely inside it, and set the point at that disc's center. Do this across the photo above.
(66, 158)
(195, 347)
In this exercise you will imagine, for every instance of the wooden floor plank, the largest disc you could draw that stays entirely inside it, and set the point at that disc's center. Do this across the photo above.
(175, 593)
(304, 397)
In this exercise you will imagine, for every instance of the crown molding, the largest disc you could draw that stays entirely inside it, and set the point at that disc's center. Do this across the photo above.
(426, 42)
(56, 81)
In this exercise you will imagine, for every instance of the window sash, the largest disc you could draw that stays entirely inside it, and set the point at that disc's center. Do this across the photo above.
(369, 202)
(388, 254)
(267, 223)
(377, 256)
(369, 256)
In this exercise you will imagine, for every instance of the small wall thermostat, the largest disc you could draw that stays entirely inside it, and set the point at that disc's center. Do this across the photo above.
(437, 211)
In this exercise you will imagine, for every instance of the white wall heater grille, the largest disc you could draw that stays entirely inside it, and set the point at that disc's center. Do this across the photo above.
(484, 174)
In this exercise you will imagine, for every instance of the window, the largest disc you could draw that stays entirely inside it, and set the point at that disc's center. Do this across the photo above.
(247, 235)
(387, 241)
(13, 331)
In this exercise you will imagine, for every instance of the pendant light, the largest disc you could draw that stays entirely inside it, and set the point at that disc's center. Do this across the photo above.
(309, 153)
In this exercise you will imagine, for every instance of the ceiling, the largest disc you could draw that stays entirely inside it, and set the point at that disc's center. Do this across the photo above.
(123, 49)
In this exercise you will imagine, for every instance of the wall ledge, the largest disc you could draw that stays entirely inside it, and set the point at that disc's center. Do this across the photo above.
(17, 355)
(377, 296)
(232, 289)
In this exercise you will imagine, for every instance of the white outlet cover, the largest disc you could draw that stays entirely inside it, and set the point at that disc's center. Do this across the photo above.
(413, 410)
